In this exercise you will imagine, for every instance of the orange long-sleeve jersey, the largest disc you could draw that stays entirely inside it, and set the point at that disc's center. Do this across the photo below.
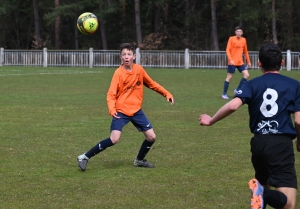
(126, 91)
(235, 49)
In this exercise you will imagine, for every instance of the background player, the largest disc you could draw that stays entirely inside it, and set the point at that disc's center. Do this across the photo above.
(236, 46)
(271, 99)
(124, 101)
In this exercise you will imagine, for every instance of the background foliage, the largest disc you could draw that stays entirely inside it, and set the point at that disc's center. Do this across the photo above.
(165, 24)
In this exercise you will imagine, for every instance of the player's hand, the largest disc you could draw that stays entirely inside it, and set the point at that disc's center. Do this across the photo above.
(249, 65)
(171, 100)
(231, 62)
(204, 120)
(115, 115)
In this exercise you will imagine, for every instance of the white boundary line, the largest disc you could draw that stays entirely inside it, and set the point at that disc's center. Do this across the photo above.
(49, 73)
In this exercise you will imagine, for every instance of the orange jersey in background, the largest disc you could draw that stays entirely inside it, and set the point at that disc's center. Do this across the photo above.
(126, 91)
(235, 49)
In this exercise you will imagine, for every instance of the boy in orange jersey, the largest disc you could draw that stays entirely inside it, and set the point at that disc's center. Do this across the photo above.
(236, 46)
(124, 101)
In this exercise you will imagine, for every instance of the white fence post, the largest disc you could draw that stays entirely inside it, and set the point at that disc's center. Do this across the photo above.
(186, 59)
(138, 56)
(1, 56)
(288, 60)
(91, 57)
(45, 56)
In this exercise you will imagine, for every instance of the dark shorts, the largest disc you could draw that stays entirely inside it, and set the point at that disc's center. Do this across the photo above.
(231, 68)
(139, 120)
(273, 160)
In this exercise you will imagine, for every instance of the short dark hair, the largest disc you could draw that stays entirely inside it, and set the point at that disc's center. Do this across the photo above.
(270, 57)
(128, 46)
(238, 28)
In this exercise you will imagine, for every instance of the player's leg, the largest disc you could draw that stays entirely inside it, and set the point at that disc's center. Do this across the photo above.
(273, 161)
(245, 77)
(116, 131)
(230, 72)
(141, 122)
(291, 194)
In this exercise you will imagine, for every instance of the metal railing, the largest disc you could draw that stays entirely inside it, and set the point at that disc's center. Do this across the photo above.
(147, 58)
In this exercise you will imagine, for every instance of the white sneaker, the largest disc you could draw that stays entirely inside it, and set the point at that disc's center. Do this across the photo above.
(82, 161)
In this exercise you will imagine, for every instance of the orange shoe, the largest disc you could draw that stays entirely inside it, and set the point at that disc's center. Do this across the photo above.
(257, 201)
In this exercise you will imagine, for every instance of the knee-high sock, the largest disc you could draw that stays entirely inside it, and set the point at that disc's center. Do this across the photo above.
(146, 146)
(274, 198)
(226, 85)
(99, 147)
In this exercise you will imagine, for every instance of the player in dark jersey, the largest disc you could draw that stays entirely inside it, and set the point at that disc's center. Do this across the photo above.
(271, 98)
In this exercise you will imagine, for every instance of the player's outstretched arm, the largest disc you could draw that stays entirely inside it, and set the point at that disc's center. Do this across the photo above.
(223, 112)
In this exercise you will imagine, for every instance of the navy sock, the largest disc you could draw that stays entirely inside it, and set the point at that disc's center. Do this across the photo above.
(274, 198)
(242, 81)
(99, 147)
(226, 85)
(146, 146)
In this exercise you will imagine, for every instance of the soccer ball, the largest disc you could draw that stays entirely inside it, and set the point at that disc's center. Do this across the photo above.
(87, 23)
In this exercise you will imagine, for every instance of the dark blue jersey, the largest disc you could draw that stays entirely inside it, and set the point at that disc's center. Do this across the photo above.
(271, 99)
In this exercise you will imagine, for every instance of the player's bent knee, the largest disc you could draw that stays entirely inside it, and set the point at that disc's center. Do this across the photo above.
(115, 136)
(114, 140)
(151, 137)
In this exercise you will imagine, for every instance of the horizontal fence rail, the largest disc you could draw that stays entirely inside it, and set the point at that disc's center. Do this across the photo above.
(188, 59)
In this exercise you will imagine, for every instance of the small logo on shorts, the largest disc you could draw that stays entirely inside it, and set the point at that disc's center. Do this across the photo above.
(148, 125)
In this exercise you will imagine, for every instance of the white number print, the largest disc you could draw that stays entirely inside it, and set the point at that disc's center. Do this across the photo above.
(269, 107)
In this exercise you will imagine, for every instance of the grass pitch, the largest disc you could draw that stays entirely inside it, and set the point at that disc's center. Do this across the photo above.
(48, 116)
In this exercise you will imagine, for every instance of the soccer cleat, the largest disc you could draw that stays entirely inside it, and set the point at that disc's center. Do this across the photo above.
(82, 161)
(224, 96)
(257, 201)
(235, 91)
(142, 163)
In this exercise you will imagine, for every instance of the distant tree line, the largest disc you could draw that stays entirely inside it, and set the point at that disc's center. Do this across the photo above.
(149, 24)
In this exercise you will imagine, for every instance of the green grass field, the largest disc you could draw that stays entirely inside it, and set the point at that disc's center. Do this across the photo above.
(49, 116)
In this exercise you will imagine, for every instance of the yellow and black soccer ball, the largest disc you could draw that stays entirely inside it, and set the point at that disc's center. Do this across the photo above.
(87, 23)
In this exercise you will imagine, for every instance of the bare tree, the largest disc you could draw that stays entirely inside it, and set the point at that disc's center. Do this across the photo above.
(274, 31)
(102, 27)
(289, 23)
(138, 23)
(157, 13)
(187, 21)
(37, 33)
(57, 26)
(214, 31)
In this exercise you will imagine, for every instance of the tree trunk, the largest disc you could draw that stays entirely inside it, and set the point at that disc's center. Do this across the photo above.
(76, 36)
(157, 17)
(187, 22)
(138, 23)
(57, 27)
(102, 24)
(103, 34)
(289, 23)
(214, 31)
(37, 33)
(123, 26)
(274, 31)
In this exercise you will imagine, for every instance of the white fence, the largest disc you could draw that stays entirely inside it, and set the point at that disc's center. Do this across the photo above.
(148, 58)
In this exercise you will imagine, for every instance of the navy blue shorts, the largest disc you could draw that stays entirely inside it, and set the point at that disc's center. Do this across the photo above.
(139, 120)
(273, 160)
(231, 68)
